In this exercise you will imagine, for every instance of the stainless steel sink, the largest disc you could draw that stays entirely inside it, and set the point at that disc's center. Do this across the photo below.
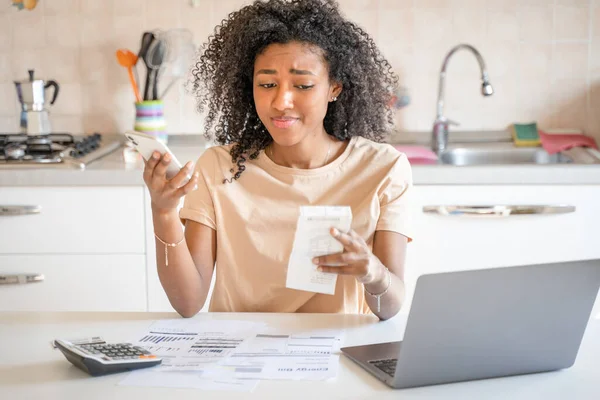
(500, 153)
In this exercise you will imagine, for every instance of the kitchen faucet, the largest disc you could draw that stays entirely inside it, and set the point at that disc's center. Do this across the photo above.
(439, 137)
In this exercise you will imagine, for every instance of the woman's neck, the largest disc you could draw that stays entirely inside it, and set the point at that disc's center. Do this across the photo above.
(312, 152)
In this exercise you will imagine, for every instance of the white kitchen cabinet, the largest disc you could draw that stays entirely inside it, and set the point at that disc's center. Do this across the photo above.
(88, 242)
(72, 220)
(450, 242)
(75, 283)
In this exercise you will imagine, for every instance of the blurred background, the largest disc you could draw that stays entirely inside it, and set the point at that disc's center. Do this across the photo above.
(543, 57)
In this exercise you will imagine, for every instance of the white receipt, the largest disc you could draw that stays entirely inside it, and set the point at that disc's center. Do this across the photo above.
(312, 239)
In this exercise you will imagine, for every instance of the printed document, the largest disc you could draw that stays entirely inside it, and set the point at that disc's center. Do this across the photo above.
(272, 355)
(189, 349)
(186, 345)
(312, 239)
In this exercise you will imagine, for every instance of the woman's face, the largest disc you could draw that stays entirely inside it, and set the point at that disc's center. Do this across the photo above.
(292, 91)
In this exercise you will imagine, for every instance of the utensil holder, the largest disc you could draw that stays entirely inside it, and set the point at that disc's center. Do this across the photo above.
(150, 119)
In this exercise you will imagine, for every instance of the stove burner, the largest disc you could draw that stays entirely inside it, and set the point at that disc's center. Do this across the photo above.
(46, 148)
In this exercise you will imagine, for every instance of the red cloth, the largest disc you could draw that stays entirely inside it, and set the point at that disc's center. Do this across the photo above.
(554, 143)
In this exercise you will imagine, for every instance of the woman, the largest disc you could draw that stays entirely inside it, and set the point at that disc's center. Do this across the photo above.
(297, 97)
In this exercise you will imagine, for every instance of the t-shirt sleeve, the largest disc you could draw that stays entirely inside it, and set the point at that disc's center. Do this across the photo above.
(198, 205)
(394, 199)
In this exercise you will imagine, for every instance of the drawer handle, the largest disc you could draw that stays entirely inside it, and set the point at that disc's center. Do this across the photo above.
(20, 279)
(19, 210)
(498, 210)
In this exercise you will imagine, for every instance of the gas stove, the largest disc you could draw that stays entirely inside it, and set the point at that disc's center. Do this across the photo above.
(59, 150)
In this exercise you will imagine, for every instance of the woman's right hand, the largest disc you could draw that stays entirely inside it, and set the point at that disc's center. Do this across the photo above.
(166, 193)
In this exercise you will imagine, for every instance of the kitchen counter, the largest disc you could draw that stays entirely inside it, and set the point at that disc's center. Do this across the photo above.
(113, 171)
(31, 369)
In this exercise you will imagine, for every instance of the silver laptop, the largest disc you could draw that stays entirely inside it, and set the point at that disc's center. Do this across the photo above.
(488, 323)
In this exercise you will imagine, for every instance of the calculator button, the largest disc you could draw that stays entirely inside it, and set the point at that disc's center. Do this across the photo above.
(147, 356)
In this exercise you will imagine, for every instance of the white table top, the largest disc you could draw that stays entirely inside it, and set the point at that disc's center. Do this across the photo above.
(31, 369)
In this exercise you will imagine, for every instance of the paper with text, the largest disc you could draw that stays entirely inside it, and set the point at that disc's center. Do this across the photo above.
(312, 239)
(193, 345)
(272, 355)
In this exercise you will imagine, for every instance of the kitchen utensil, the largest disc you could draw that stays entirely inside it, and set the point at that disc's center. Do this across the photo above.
(147, 39)
(34, 118)
(128, 60)
(154, 60)
(179, 55)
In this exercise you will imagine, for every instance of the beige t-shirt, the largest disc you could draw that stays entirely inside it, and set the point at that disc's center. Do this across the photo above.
(255, 220)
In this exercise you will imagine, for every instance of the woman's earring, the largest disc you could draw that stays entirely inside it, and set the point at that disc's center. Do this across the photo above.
(333, 98)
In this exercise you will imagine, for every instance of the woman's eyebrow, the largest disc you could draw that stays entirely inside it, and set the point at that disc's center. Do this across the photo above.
(292, 70)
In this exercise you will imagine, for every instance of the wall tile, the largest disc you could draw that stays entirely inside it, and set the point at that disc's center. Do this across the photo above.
(502, 25)
(198, 21)
(8, 100)
(535, 23)
(569, 61)
(535, 60)
(570, 102)
(502, 5)
(96, 31)
(396, 28)
(24, 35)
(96, 8)
(575, 3)
(66, 123)
(469, 23)
(62, 64)
(24, 61)
(469, 4)
(395, 4)
(596, 21)
(162, 14)
(432, 26)
(595, 60)
(593, 116)
(127, 32)
(572, 23)
(63, 31)
(69, 100)
(5, 32)
(61, 7)
(434, 3)
(129, 8)
(99, 64)
(9, 124)
(6, 71)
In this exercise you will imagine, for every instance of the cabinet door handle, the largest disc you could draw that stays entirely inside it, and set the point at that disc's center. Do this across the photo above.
(20, 279)
(498, 210)
(19, 210)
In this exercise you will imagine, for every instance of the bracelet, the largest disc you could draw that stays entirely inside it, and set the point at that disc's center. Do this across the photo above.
(378, 296)
(167, 245)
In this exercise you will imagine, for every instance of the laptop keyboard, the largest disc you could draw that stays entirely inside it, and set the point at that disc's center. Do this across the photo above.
(388, 366)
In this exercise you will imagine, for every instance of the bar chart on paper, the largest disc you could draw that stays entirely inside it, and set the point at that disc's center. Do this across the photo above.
(157, 337)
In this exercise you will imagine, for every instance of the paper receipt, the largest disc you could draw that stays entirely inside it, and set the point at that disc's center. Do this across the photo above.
(313, 239)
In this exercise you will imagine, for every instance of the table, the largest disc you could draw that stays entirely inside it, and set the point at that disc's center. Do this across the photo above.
(31, 369)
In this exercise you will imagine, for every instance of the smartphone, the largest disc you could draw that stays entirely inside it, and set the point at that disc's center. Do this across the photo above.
(146, 145)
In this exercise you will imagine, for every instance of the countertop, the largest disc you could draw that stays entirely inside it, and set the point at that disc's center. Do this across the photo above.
(31, 369)
(112, 170)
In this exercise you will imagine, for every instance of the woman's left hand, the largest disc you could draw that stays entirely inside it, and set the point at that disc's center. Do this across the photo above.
(356, 259)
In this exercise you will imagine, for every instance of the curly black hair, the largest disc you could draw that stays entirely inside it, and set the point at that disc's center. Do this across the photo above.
(222, 77)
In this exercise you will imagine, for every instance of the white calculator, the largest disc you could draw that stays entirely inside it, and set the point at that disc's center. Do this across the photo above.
(96, 357)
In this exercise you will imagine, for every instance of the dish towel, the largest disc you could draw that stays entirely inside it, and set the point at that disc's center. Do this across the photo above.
(417, 154)
(556, 142)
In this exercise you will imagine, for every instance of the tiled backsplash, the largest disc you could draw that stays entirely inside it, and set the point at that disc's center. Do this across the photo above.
(543, 57)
